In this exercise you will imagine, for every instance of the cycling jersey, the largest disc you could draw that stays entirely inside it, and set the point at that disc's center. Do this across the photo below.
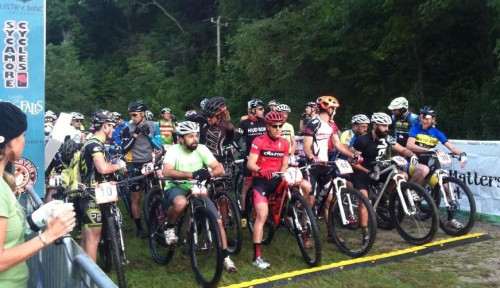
(94, 147)
(347, 138)
(372, 149)
(74, 134)
(270, 151)
(167, 132)
(138, 150)
(427, 138)
(117, 133)
(403, 126)
(217, 136)
(287, 132)
(250, 129)
(322, 132)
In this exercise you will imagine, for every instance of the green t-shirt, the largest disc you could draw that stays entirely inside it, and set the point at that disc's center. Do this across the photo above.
(187, 162)
(16, 276)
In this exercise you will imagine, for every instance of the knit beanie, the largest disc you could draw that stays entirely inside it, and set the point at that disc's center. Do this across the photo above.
(13, 122)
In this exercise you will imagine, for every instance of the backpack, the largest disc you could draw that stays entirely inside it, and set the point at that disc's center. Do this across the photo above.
(71, 178)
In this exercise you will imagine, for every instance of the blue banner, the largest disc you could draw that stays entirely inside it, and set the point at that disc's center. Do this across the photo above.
(23, 78)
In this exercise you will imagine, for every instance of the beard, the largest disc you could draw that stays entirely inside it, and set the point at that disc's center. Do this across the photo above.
(380, 134)
(192, 146)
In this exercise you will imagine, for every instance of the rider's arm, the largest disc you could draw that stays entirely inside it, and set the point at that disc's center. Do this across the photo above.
(252, 162)
(308, 142)
(217, 169)
(453, 148)
(169, 171)
(402, 150)
(155, 138)
(414, 147)
(128, 140)
(341, 147)
(102, 166)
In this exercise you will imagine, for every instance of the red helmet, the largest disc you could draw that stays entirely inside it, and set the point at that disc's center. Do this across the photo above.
(274, 116)
(326, 102)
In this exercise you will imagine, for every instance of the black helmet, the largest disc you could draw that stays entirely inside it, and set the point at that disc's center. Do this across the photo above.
(68, 149)
(428, 110)
(103, 116)
(137, 106)
(215, 106)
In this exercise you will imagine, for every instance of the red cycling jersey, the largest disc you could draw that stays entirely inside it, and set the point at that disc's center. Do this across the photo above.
(271, 152)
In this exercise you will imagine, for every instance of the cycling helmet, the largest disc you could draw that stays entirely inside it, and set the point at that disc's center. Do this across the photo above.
(274, 116)
(360, 119)
(165, 110)
(189, 113)
(381, 118)
(398, 103)
(77, 116)
(326, 102)
(117, 115)
(68, 149)
(254, 103)
(273, 103)
(283, 108)
(137, 106)
(186, 127)
(50, 114)
(149, 115)
(103, 116)
(311, 104)
(203, 103)
(428, 111)
(215, 106)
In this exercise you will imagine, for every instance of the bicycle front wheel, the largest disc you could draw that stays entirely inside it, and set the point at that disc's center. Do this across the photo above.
(116, 250)
(157, 223)
(351, 238)
(150, 197)
(231, 220)
(419, 225)
(305, 230)
(205, 248)
(462, 209)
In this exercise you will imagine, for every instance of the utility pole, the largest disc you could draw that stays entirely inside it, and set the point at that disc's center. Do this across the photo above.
(218, 25)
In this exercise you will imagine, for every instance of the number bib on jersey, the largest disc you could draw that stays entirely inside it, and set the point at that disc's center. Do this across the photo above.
(105, 193)
(343, 167)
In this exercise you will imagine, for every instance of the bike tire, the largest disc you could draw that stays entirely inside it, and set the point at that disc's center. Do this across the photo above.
(231, 221)
(205, 248)
(149, 198)
(382, 214)
(349, 237)
(421, 225)
(160, 251)
(104, 249)
(125, 196)
(463, 199)
(116, 251)
(238, 188)
(305, 230)
(269, 228)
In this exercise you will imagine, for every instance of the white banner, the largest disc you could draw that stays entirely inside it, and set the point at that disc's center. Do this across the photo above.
(481, 174)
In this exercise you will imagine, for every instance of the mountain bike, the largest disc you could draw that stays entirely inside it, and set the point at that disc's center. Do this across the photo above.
(452, 196)
(228, 209)
(203, 240)
(412, 211)
(288, 207)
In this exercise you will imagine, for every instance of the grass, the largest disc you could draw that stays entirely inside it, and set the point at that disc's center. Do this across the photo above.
(438, 269)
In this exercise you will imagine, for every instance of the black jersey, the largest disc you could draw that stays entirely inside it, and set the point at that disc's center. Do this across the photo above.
(249, 129)
(217, 136)
(372, 149)
(93, 147)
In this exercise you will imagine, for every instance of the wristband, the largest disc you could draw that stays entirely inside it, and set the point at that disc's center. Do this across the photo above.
(42, 239)
(463, 154)
(32, 224)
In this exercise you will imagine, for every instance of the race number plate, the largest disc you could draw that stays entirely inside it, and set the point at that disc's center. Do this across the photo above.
(105, 193)
(400, 161)
(444, 159)
(148, 168)
(199, 190)
(343, 166)
(293, 175)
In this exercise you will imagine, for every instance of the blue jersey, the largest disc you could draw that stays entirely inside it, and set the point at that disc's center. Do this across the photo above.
(427, 138)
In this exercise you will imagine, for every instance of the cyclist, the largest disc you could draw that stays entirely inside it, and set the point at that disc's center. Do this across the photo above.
(168, 137)
(219, 132)
(249, 129)
(94, 169)
(268, 154)
(423, 138)
(287, 132)
(50, 119)
(120, 125)
(309, 113)
(188, 160)
(76, 133)
(373, 146)
(402, 119)
(140, 138)
(359, 126)
(273, 104)
(320, 133)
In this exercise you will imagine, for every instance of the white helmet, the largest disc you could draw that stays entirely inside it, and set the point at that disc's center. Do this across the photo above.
(283, 108)
(360, 119)
(399, 103)
(381, 118)
(187, 127)
(77, 116)
(50, 114)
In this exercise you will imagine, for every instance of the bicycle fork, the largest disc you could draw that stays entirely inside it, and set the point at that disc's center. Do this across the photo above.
(118, 221)
(398, 178)
(440, 173)
(339, 184)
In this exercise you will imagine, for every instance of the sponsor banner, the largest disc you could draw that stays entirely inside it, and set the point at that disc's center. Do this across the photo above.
(23, 76)
(481, 174)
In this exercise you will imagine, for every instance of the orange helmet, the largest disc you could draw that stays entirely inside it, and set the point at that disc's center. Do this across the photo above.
(326, 102)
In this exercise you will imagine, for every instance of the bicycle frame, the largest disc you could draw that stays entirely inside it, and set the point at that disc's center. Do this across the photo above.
(435, 169)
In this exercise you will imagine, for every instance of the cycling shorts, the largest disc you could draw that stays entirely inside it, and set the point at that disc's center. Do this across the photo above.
(174, 192)
(263, 187)
(318, 177)
(135, 170)
(92, 217)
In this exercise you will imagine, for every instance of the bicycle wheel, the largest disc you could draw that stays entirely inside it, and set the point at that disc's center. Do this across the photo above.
(269, 228)
(150, 197)
(305, 230)
(205, 248)
(104, 249)
(238, 188)
(157, 223)
(463, 208)
(231, 220)
(124, 193)
(350, 238)
(382, 213)
(420, 224)
(116, 250)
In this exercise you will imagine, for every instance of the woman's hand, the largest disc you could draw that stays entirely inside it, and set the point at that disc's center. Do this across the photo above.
(60, 225)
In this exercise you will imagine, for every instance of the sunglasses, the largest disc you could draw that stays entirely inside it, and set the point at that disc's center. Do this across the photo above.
(80, 121)
(260, 108)
(277, 126)
(134, 114)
